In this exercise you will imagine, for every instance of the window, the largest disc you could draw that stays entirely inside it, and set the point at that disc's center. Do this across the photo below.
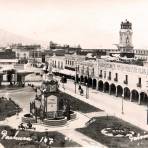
(100, 72)
(100, 75)
(58, 64)
(78, 68)
(92, 71)
(72, 63)
(61, 65)
(126, 78)
(139, 82)
(109, 77)
(104, 74)
(116, 77)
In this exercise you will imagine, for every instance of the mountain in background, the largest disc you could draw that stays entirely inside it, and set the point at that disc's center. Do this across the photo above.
(8, 38)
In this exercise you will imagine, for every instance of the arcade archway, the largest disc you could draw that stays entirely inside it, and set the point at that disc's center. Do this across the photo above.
(94, 83)
(126, 93)
(112, 89)
(100, 85)
(81, 79)
(135, 95)
(143, 98)
(106, 87)
(85, 80)
(90, 82)
(77, 78)
(119, 91)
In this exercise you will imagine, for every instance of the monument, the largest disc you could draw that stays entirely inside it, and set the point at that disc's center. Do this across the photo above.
(48, 106)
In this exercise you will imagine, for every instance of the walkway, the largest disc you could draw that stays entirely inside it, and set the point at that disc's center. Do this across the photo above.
(68, 130)
(22, 97)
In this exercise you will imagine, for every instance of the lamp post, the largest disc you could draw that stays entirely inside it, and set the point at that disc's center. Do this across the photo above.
(147, 107)
(76, 80)
(122, 106)
(87, 84)
(122, 102)
(45, 101)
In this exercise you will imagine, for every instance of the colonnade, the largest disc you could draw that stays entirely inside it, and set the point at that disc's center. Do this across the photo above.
(132, 95)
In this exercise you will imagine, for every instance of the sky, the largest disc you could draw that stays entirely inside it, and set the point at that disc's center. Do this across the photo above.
(90, 23)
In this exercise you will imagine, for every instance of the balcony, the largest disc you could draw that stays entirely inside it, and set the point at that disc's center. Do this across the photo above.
(125, 82)
(139, 85)
(116, 79)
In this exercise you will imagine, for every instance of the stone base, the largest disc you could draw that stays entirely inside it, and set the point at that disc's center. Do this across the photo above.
(53, 122)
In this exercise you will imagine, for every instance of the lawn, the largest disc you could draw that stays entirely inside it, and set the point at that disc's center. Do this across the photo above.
(38, 139)
(93, 131)
(8, 108)
(76, 104)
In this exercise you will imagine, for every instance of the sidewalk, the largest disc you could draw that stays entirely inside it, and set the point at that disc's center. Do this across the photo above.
(133, 113)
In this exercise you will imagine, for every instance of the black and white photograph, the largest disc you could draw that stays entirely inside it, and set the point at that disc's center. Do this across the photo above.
(73, 73)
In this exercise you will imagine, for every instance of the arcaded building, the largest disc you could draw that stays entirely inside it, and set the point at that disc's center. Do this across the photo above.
(118, 78)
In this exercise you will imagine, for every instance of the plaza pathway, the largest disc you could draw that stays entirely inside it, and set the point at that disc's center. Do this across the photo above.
(22, 97)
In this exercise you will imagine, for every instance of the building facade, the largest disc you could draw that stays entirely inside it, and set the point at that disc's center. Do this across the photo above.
(118, 79)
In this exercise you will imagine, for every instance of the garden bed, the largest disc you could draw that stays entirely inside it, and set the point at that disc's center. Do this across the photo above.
(114, 132)
(76, 104)
(38, 139)
(8, 108)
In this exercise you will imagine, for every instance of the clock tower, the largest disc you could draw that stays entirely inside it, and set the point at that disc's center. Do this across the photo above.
(125, 44)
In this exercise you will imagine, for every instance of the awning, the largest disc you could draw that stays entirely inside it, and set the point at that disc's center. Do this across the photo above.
(24, 72)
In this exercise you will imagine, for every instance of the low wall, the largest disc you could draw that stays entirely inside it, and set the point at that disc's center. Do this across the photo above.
(53, 122)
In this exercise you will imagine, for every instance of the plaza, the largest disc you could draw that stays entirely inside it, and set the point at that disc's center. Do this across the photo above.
(96, 106)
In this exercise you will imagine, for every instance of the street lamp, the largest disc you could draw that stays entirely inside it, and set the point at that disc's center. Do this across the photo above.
(76, 79)
(45, 100)
(122, 106)
(122, 103)
(147, 106)
(87, 84)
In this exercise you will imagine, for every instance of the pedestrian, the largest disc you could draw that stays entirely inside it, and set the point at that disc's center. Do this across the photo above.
(29, 125)
(79, 87)
(81, 91)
